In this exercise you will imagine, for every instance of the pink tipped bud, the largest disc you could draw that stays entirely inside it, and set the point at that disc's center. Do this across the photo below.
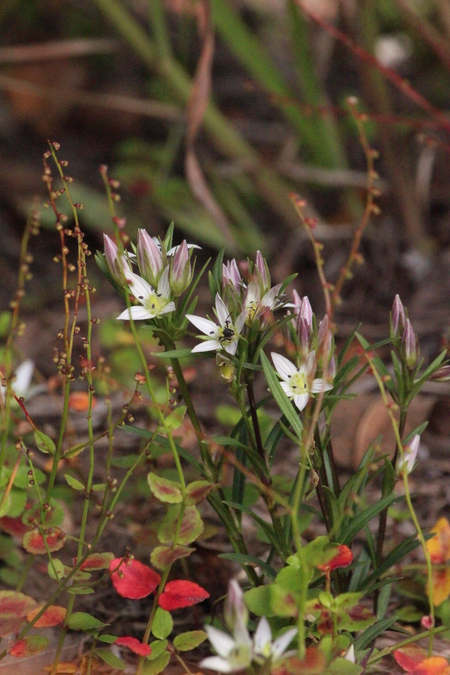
(117, 265)
(405, 462)
(306, 311)
(324, 337)
(180, 270)
(297, 302)
(231, 275)
(398, 318)
(235, 610)
(262, 273)
(409, 347)
(442, 374)
(149, 258)
(304, 336)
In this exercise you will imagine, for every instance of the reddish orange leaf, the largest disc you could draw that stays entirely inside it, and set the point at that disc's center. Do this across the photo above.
(133, 643)
(132, 579)
(342, 557)
(439, 545)
(181, 593)
(14, 604)
(314, 663)
(97, 561)
(29, 646)
(409, 657)
(79, 401)
(436, 665)
(441, 586)
(63, 668)
(14, 526)
(52, 616)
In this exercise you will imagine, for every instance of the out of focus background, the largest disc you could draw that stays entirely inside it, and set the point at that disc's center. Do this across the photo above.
(210, 112)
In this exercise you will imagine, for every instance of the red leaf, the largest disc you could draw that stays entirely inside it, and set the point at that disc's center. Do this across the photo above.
(341, 558)
(314, 663)
(14, 526)
(29, 646)
(181, 593)
(97, 561)
(132, 579)
(15, 604)
(33, 541)
(409, 657)
(52, 616)
(133, 643)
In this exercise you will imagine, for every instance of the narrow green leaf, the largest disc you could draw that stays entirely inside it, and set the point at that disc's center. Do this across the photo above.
(111, 659)
(369, 635)
(363, 518)
(73, 482)
(280, 397)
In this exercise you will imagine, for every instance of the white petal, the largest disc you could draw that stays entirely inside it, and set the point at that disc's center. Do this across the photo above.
(310, 363)
(23, 375)
(163, 284)
(282, 643)
(216, 663)
(262, 637)
(319, 385)
(301, 400)
(207, 346)
(205, 325)
(137, 314)
(222, 642)
(222, 310)
(173, 250)
(140, 288)
(240, 321)
(231, 348)
(170, 307)
(284, 367)
(287, 389)
(268, 300)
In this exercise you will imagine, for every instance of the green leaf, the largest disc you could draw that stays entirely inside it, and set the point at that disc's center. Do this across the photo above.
(197, 491)
(184, 642)
(164, 489)
(258, 600)
(162, 624)
(84, 621)
(368, 637)
(174, 354)
(157, 665)
(191, 525)
(44, 443)
(56, 570)
(175, 419)
(109, 639)
(163, 557)
(158, 647)
(341, 666)
(280, 397)
(111, 659)
(73, 482)
(5, 503)
(81, 590)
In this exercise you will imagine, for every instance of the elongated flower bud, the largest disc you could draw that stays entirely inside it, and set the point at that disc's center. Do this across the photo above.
(405, 463)
(235, 609)
(180, 270)
(304, 336)
(262, 273)
(441, 375)
(117, 264)
(231, 275)
(149, 258)
(409, 347)
(398, 318)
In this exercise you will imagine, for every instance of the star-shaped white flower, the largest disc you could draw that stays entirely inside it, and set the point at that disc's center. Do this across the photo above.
(255, 305)
(233, 653)
(223, 336)
(263, 647)
(297, 382)
(154, 303)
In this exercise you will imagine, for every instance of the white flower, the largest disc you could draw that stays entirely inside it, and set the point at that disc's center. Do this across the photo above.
(22, 380)
(297, 382)
(153, 303)
(233, 654)
(405, 462)
(225, 336)
(350, 654)
(263, 645)
(255, 305)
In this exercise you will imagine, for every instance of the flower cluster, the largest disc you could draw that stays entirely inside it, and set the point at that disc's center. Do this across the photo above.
(165, 273)
(239, 651)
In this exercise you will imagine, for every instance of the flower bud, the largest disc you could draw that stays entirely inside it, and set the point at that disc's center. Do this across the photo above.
(398, 318)
(304, 336)
(149, 258)
(231, 275)
(442, 374)
(262, 273)
(405, 462)
(180, 270)
(226, 367)
(409, 347)
(235, 610)
(117, 264)
(324, 339)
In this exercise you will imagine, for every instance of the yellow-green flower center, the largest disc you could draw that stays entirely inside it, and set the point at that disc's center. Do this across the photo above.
(299, 383)
(155, 303)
